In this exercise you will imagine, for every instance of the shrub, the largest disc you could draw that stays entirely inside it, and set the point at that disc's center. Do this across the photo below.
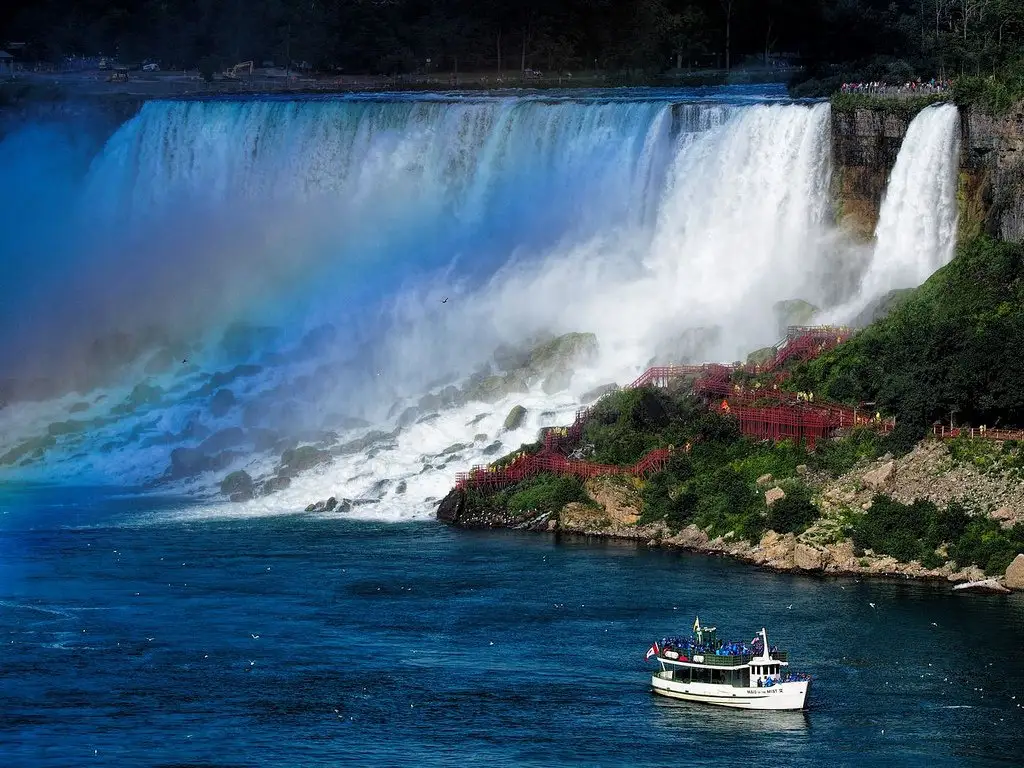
(545, 493)
(941, 349)
(793, 514)
(915, 531)
(840, 456)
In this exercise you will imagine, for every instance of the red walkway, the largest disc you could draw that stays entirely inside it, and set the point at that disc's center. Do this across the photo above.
(762, 412)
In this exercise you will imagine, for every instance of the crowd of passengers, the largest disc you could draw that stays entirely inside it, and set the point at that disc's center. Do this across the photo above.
(690, 647)
(785, 677)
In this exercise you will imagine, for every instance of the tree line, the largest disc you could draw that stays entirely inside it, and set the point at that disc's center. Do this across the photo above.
(897, 37)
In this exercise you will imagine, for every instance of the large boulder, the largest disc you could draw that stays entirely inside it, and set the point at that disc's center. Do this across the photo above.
(562, 354)
(238, 486)
(1015, 573)
(877, 478)
(222, 440)
(223, 378)
(491, 389)
(33, 448)
(559, 381)
(595, 394)
(296, 460)
(761, 356)
(808, 558)
(881, 307)
(222, 402)
(188, 462)
(142, 394)
(514, 419)
(792, 312)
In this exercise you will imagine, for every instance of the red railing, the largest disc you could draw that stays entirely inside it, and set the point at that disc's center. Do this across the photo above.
(528, 465)
(947, 433)
(767, 414)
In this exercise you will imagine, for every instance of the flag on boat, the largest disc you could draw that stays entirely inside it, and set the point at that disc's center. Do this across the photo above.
(652, 651)
(696, 624)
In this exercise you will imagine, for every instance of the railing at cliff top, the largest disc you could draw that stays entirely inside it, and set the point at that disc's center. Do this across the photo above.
(984, 433)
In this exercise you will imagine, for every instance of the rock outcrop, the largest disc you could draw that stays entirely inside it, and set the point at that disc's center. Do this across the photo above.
(514, 419)
(991, 182)
(1014, 578)
(238, 486)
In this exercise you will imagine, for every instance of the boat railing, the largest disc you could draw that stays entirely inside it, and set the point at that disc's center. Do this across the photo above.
(712, 660)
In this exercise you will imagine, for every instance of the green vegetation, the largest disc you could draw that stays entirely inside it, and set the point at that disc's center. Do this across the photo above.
(903, 107)
(946, 350)
(995, 93)
(837, 457)
(915, 531)
(989, 457)
(541, 493)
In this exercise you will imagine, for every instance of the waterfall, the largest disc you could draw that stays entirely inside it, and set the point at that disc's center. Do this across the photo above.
(916, 231)
(646, 219)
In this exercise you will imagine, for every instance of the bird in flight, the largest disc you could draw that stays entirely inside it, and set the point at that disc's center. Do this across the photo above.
(184, 361)
(444, 300)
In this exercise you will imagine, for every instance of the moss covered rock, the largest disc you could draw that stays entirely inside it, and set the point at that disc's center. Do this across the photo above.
(793, 312)
(514, 419)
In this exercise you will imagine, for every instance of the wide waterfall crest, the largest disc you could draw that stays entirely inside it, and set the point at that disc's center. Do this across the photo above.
(342, 223)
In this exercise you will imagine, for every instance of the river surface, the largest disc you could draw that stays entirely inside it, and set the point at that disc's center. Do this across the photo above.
(138, 633)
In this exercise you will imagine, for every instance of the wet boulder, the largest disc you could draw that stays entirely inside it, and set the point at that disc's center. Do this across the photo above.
(238, 486)
(592, 395)
(223, 378)
(362, 443)
(222, 402)
(142, 394)
(515, 418)
(327, 505)
(69, 427)
(33, 448)
(761, 356)
(792, 312)
(274, 484)
(881, 307)
(188, 462)
(296, 460)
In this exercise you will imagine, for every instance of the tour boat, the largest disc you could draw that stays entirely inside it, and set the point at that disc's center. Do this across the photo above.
(750, 675)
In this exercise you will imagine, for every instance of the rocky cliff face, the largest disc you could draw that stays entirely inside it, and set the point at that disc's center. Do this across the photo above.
(865, 144)
(992, 174)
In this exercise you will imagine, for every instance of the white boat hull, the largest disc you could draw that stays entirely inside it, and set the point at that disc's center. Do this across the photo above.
(780, 696)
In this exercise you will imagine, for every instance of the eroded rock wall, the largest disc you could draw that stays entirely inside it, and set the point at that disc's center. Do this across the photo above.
(866, 142)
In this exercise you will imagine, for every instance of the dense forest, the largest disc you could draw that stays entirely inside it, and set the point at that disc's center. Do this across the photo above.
(870, 39)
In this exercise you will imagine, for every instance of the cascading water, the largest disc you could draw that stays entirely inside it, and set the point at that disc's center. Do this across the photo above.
(916, 231)
(642, 219)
